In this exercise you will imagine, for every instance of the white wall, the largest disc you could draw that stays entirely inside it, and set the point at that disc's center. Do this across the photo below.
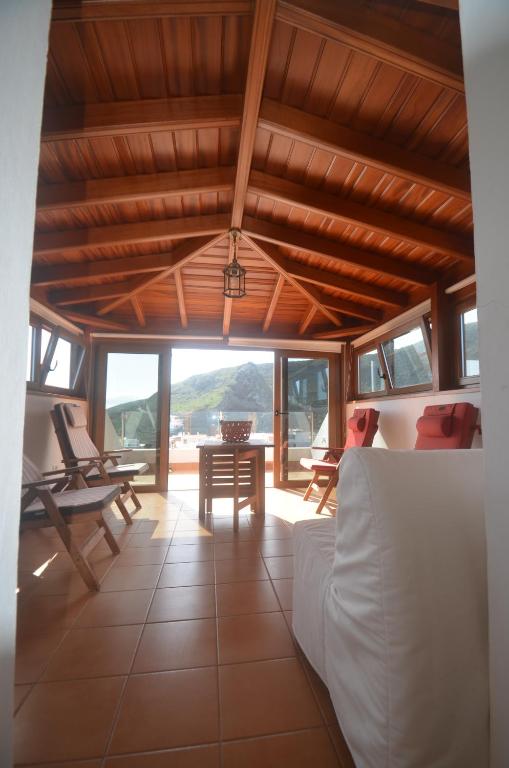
(398, 415)
(40, 442)
(23, 47)
(485, 37)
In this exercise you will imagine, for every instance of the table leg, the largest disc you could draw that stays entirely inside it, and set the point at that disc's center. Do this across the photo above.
(260, 481)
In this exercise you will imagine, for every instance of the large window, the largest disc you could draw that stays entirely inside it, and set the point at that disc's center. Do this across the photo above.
(399, 362)
(469, 340)
(55, 361)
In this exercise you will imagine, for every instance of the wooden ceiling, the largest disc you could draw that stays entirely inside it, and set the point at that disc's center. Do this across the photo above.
(334, 135)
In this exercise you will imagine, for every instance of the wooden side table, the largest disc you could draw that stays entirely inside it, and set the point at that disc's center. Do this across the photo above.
(232, 471)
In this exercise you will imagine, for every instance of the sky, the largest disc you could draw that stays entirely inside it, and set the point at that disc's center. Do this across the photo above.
(134, 376)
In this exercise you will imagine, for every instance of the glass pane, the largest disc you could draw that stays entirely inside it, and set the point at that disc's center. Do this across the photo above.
(407, 360)
(470, 343)
(45, 337)
(369, 373)
(208, 385)
(60, 371)
(29, 353)
(132, 409)
(305, 398)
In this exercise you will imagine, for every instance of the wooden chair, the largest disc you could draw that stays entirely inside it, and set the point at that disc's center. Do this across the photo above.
(362, 428)
(62, 498)
(70, 422)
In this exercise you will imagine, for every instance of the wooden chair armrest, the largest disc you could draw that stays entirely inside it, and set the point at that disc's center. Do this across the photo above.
(117, 450)
(70, 470)
(42, 483)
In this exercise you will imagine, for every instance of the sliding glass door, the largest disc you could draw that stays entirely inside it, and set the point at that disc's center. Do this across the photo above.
(133, 398)
(306, 415)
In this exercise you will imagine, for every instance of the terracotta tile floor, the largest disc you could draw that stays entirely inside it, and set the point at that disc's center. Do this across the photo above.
(185, 659)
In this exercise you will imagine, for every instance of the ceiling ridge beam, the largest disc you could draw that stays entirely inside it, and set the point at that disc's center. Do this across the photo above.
(120, 118)
(379, 35)
(159, 230)
(91, 321)
(306, 320)
(361, 147)
(350, 212)
(183, 254)
(88, 293)
(131, 189)
(91, 10)
(311, 294)
(138, 311)
(348, 255)
(258, 54)
(280, 282)
(344, 333)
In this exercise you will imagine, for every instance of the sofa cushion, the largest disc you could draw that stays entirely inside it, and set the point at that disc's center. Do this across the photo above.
(435, 426)
(406, 610)
(313, 544)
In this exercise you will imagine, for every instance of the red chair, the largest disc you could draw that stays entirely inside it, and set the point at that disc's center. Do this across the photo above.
(362, 428)
(446, 426)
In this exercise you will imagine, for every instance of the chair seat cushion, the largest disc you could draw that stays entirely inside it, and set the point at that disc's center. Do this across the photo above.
(75, 502)
(314, 545)
(316, 465)
(122, 470)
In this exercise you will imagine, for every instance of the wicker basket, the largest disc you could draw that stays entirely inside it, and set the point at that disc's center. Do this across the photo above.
(235, 431)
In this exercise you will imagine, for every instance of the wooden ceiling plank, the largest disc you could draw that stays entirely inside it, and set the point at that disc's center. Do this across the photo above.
(258, 54)
(306, 320)
(350, 212)
(181, 298)
(311, 294)
(98, 323)
(451, 5)
(273, 302)
(144, 116)
(344, 333)
(121, 10)
(360, 147)
(303, 241)
(379, 35)
(325, 278)
(183, 254)
(131, 189)
(58, 243)
(138, 311)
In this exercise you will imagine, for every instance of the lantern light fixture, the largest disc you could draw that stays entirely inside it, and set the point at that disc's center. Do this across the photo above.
(234, 274)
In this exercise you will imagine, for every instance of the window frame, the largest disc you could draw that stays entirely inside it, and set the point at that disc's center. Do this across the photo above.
(40, 368)
(376, 343)
(461, 307)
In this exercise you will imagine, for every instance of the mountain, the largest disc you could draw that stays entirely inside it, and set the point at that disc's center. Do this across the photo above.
(236, 391)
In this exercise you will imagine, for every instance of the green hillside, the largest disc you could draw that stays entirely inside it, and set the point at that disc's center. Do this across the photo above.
(237, 390)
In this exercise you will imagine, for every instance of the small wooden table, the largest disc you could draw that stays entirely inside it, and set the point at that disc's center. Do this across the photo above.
(232, 470)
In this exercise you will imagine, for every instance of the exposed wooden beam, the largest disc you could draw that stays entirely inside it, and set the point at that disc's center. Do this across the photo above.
(280, 282)
(120, 10)
(59, 243)
(227, 315)
(351, 308)
(132, 189)
(362, 148)
(92, 321)
(79, 272)
(326, 279)
(258, 53)
(177, 275)
(183, 254)
(310, 293)
(306, 320)
(138, 311)
(344, 333)
(377, 34)
(322, 246)
(144, 116)
(87, 293)
(349, 212)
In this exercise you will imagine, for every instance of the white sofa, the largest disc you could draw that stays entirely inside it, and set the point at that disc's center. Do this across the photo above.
(390, 608)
